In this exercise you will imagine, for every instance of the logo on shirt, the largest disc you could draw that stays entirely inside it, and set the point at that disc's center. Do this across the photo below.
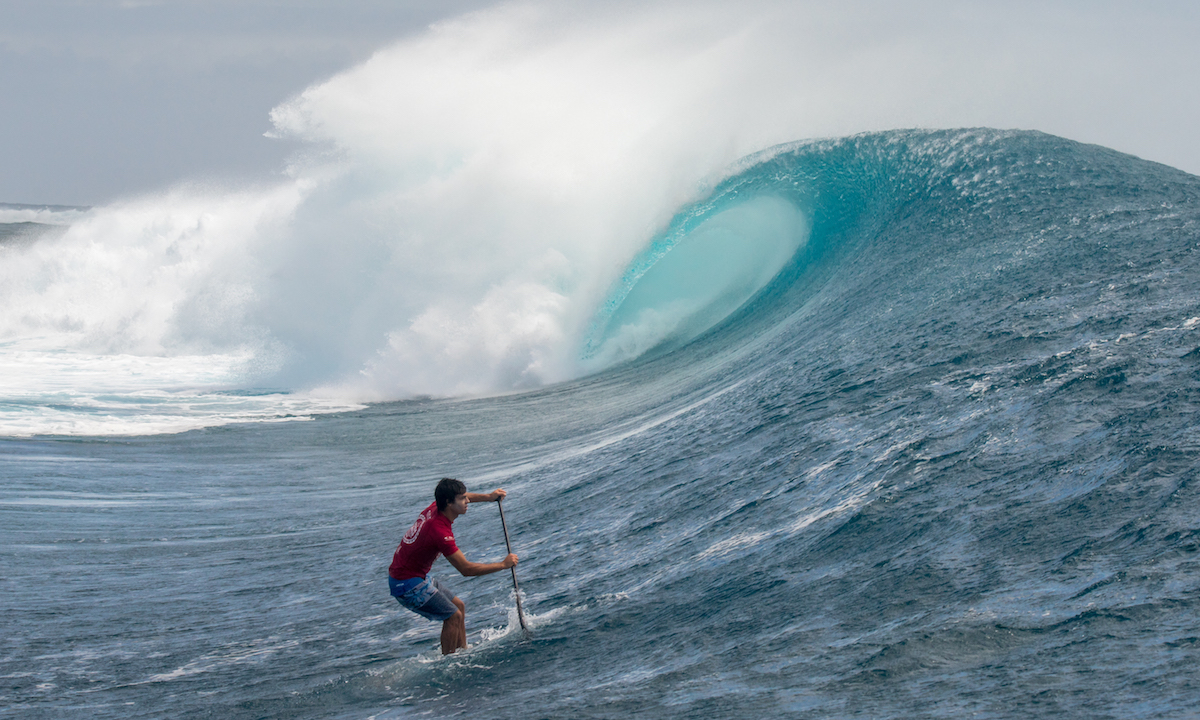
(410, 537)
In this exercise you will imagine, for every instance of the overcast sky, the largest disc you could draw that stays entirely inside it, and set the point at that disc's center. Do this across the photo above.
(107, 98)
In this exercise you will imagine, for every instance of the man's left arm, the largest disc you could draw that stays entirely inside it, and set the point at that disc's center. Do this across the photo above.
(494, 496)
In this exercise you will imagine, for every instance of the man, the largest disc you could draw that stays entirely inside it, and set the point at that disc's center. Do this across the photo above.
(408, 577)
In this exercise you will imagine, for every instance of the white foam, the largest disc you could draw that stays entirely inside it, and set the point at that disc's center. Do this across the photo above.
(256, 652)
(41, 215)
(69, 393)
(731, 544)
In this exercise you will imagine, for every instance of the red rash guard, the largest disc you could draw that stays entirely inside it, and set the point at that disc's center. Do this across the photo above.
(429, 535)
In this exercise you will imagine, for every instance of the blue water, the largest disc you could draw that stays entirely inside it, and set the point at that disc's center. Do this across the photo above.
(943, 464)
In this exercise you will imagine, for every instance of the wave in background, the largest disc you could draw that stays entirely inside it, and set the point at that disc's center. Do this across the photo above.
(514, 198)
(469, 200)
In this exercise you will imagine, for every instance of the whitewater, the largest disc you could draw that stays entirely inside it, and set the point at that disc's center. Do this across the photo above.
(902, 423)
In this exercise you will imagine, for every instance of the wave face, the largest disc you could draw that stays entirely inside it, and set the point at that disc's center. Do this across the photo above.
(941, 462)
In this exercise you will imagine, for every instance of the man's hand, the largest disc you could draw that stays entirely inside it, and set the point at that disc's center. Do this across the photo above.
(498, 494)
(510, 560)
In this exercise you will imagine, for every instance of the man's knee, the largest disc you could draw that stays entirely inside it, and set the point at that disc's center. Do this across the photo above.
(460, 613)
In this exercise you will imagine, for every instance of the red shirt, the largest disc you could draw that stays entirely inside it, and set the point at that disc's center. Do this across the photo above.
(429, 535)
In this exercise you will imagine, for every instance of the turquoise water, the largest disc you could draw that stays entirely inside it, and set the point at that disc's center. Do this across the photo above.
(942, 463)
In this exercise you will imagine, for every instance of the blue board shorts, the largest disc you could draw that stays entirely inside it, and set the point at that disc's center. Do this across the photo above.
(427, 597)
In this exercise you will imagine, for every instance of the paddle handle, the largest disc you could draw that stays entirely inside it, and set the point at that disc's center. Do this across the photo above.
(516, 590)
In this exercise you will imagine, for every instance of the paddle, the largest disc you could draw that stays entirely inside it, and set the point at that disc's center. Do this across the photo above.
(516, 590)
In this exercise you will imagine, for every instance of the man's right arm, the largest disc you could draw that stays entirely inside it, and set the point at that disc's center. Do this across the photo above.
(468, 568)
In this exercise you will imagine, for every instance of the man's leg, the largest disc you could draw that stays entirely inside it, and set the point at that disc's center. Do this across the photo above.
(450, 633)
(462, 622)
(454, 629)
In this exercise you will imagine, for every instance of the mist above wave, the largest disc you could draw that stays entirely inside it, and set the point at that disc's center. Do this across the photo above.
(468, 199)
(505, 168)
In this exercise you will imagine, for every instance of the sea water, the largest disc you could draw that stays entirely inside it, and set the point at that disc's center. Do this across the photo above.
(932, 453)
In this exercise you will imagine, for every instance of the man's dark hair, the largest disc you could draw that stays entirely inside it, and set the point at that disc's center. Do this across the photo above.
(446, 491)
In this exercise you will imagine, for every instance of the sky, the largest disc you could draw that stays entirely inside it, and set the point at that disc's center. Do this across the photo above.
(107, 99)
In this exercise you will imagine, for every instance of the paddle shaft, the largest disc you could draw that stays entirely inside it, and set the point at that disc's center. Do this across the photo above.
(516, 590)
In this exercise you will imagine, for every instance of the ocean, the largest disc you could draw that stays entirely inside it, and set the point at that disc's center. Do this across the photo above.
(903, 424)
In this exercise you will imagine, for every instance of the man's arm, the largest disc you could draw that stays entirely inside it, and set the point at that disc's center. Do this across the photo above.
(468, 568)
(493, 496)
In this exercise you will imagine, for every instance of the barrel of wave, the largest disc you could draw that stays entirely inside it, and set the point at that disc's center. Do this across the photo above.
(685, 284)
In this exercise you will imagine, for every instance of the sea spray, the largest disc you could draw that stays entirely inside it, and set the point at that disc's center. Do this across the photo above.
(467, 201)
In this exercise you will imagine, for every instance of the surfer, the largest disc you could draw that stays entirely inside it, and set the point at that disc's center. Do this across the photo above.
(408, 576)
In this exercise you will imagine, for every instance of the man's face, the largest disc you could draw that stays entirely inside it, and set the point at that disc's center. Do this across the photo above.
(460, 503)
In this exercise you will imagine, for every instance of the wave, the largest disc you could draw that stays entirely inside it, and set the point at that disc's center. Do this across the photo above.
(195, 294)
(472, 217)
